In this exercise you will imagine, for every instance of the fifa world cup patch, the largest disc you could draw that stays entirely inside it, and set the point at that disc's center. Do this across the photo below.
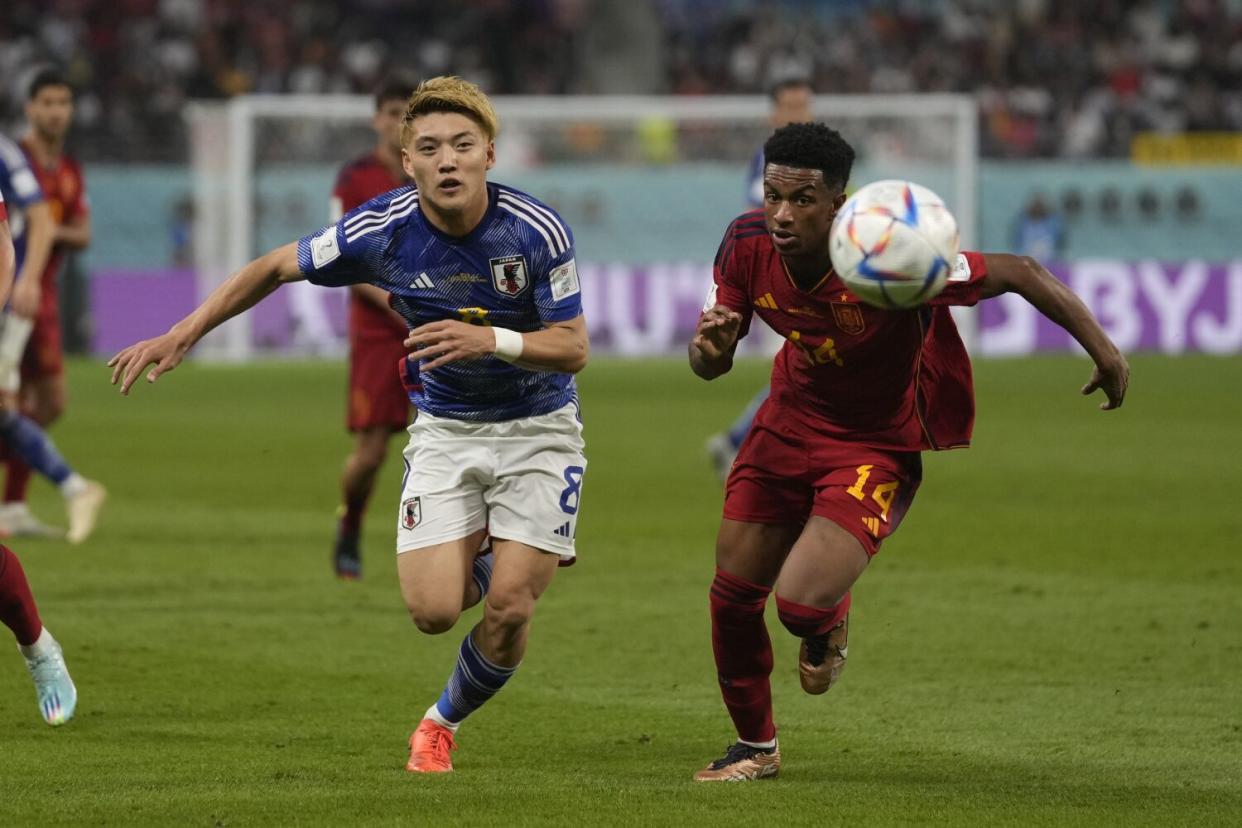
(564, 281)
(849, 317)
(509, 275)
(324, 249)
(411, 512)
(961, 269)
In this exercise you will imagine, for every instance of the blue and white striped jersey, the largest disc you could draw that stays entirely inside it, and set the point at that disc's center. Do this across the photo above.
(515, 269)
(20, 188)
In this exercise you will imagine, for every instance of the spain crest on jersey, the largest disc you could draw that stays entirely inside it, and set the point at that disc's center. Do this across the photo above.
(509, 275)
(849, 317)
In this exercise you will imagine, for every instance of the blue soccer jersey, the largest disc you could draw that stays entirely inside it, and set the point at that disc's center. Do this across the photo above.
(515, 270)
(20, 188)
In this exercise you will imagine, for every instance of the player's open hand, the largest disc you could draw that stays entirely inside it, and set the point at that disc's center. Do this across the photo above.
(1112, 376)
(716, 333)
(165, 352)
(439, 343)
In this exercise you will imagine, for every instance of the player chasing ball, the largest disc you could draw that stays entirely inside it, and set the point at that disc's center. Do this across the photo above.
(832, 462)
(485, 277)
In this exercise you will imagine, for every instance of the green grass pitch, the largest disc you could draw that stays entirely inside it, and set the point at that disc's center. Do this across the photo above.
(1054, 636)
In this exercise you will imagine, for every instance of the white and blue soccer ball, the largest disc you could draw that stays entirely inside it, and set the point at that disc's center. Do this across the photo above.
(893, 243)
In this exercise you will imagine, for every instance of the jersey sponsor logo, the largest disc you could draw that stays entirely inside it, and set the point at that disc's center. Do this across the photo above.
(422, 282)
(509, 274)
(324, 249)
(849, 317)
(710, 301)
(564, 281)
(766, 301)
(961, 269)
(805, 310)
(411, 512)
(465, 278)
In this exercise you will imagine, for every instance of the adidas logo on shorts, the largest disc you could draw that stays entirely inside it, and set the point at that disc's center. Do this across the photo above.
(562, 530)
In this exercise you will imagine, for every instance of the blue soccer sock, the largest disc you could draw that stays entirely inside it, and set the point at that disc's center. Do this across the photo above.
(482, 573)
(740, 427)
(33, 446)
(474, 681)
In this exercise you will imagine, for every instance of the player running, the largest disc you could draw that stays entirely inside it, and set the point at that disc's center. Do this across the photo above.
(485, 277)
(33, 233)
(832, 462)
(378, 405)
(791, 104)
(53, 687)
(49, 112)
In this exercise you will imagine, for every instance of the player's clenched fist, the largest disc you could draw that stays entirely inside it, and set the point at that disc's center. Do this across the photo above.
(449, 341)
(717, 331)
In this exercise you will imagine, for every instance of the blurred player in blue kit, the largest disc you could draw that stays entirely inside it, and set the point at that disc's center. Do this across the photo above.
(485, 277)
(791, 104)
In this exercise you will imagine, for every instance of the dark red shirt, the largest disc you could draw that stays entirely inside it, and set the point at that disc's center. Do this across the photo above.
(64, 190)
(358, 182)
(896, 380)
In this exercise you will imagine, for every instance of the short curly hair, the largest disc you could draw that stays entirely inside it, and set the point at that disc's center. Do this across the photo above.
(811, 147)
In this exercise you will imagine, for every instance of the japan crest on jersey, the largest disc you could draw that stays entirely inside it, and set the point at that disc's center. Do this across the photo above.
(509, 274)
(411, 512)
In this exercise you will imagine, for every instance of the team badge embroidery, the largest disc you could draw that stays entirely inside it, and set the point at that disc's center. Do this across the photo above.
(509, 275)
(411, 512)
(849, 317)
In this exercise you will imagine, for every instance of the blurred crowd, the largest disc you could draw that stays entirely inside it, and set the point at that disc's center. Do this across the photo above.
(1054, 78)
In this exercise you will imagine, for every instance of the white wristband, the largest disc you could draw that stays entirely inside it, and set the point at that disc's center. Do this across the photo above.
(508, 344)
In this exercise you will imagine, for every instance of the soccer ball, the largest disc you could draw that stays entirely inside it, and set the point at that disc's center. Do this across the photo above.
(893, 243)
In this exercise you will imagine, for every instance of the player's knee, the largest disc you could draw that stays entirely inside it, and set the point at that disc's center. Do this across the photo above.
(434, 620)
(509, 612)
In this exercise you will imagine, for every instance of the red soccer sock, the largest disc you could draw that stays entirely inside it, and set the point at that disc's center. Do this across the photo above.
(743, 654)
(17, 605)
(17, 480)
(804, 621)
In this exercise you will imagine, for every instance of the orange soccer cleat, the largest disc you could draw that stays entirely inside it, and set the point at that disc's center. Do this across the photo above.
(431, 746)
(822, 658)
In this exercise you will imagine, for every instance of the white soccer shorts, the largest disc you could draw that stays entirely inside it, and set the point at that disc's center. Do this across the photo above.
(519, 479)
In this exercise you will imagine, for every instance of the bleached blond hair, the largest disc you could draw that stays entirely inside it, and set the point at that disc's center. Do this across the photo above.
(450, 94)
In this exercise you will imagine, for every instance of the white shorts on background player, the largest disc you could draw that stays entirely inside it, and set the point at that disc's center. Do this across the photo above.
(520, 479)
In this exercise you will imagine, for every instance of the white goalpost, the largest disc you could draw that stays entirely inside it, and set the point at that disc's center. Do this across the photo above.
(643, 180)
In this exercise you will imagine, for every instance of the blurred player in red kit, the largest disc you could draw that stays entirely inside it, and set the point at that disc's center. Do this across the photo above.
(49, 112)
(378, 405)
(832, 462)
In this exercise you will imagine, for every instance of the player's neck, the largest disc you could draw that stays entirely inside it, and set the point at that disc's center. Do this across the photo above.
(807, 272)
(455, 223)
(391, 159)
(46, 150)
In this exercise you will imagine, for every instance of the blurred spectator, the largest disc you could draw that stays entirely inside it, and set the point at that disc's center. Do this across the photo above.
(1053, 77)
(1039, 232)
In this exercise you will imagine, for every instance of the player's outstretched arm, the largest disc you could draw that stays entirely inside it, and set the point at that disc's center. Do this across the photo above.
(561, 346)
(714, 341)
(239, 292)
(1030, 280)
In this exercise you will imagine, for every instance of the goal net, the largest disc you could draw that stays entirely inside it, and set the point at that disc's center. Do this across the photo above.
(648, 185)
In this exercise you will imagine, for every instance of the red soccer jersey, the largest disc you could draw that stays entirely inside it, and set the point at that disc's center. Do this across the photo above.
(360, 181)
(897, 380)
(64, 190)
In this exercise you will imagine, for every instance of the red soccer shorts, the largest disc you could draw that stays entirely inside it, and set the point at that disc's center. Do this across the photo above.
(785, 473)
(44, 355)
(376, 395)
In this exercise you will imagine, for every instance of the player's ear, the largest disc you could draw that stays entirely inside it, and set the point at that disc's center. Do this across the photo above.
(406, 162)
(491, 155)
